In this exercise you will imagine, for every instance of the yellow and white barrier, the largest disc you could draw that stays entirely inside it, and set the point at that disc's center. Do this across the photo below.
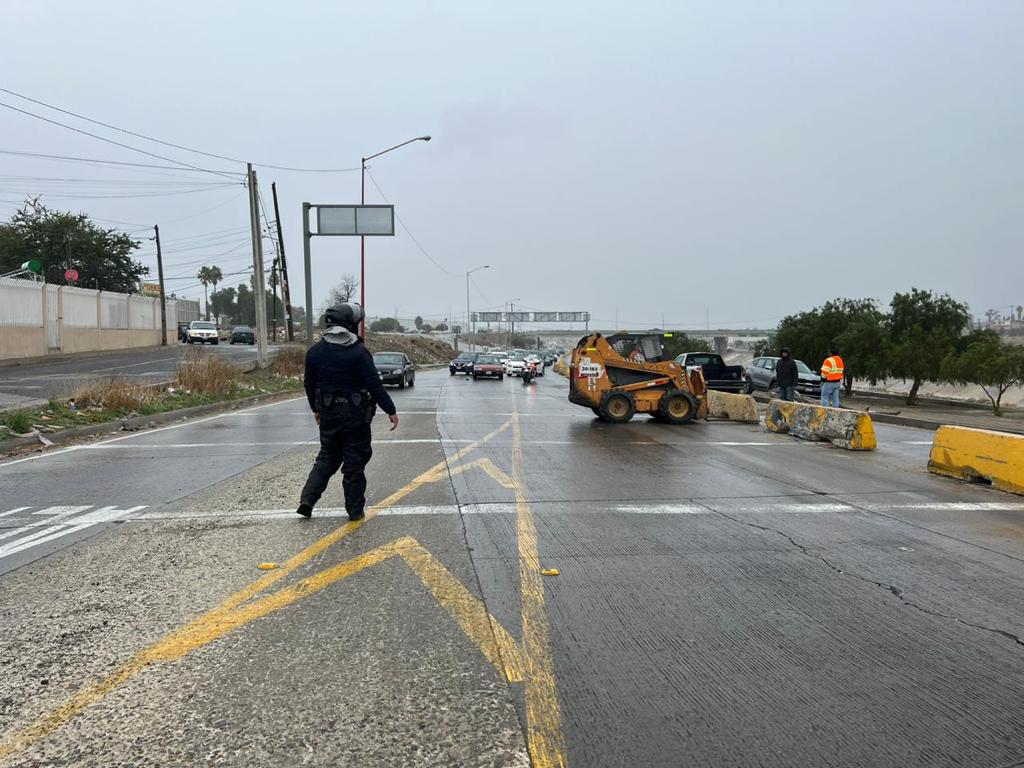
(979, 454)
(852, 430)
(725, 405)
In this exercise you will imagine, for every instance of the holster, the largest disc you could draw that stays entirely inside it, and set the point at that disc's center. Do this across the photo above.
(352, 407)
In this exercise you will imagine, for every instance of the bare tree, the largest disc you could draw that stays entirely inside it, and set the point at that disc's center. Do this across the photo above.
(343, 292)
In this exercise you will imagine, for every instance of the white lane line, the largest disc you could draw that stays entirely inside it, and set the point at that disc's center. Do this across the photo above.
(682, 507)
(443, 509)
(376, 444)
(14, 511)
(44, 536)
(915, 442)
(49, 532)
(39, 456)
(53, 515)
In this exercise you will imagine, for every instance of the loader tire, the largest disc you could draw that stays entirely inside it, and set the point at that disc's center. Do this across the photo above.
(618, 407)
(677, 407)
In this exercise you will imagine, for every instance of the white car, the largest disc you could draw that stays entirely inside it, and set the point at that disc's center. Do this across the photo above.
(515, 366)
(202, 331)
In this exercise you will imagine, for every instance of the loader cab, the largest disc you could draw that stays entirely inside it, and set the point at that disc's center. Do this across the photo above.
(639, 347)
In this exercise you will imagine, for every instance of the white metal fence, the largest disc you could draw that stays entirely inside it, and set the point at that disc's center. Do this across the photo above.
(21, 303)
(79, 307)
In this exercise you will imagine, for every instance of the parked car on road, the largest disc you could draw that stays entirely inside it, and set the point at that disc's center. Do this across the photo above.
(718, 375)
(463, 363)
(488, 366)
(242, 334)
(760, 374)
(395, 368)
(202, 331)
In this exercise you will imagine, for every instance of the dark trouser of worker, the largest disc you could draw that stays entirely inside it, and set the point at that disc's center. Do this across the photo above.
(346, 448)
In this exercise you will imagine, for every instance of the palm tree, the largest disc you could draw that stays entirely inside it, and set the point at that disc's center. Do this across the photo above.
(205, 276)
(215, 277)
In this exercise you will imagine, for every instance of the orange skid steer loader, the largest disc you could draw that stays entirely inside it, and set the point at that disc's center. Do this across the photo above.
(628, 373)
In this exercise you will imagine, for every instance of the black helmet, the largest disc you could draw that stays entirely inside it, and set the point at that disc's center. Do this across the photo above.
(348, 316)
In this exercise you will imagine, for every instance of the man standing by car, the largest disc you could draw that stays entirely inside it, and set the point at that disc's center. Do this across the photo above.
(832, 371)
(786, 375)
(343, 390)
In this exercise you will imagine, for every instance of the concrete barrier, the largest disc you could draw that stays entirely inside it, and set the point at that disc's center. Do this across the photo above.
(725, 405)
(852, 430)
(979, 455)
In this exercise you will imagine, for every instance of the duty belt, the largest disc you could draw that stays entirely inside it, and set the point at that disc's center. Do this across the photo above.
(355, 399)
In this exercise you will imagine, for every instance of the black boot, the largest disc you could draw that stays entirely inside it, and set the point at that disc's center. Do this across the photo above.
(304, 509)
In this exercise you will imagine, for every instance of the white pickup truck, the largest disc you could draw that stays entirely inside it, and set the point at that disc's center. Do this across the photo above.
(202, 331)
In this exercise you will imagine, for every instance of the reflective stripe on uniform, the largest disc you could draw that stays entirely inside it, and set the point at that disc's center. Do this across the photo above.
(832, 369)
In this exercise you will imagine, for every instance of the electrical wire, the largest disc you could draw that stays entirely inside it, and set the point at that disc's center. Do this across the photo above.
(64, 196)
(111, 141)
(74, 159)
(407, 231)
(165, 143)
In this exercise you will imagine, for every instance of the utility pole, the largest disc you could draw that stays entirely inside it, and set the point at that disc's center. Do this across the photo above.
(160, 274)
(257, 262)
(273, 301)
(286, 294)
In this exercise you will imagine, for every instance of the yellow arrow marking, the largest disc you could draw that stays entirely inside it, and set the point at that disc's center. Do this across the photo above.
(225, 618)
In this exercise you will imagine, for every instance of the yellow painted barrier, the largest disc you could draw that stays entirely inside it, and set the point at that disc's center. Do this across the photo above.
(852, 430)
(979, 454)
(561, 366)
(725, 405)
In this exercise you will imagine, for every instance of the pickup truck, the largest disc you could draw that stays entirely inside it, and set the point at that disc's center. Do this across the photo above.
(725, 378)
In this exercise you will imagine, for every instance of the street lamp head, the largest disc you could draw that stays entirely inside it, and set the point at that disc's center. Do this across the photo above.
(424, 138)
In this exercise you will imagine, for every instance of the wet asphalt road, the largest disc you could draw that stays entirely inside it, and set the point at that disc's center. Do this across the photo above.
(31, 382)
(726, 597)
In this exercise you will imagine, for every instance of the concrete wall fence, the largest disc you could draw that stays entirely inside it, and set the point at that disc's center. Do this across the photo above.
(38, 319)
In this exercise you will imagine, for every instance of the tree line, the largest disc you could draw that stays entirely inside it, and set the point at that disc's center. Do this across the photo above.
(922, 336)
(62, 239)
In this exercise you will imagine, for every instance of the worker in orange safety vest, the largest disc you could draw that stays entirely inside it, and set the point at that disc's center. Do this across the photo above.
(832, 373)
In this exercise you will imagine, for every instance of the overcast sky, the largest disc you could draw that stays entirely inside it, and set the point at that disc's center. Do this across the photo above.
(635, 160)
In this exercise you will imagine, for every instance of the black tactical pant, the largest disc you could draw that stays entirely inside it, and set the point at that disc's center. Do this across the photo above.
(345, 446)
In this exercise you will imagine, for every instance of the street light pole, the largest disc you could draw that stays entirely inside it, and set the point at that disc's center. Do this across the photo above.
(470, 272)
(362, 238)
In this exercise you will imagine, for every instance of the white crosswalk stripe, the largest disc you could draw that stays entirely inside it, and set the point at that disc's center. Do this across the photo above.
(34, 528)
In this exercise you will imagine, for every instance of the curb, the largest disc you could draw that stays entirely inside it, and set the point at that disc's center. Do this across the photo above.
(140, 423)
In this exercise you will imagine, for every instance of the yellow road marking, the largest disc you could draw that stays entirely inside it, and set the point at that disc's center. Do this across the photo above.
(488, 466)
(478, 624)
(224, 618)
(468, 612)
(543, 714)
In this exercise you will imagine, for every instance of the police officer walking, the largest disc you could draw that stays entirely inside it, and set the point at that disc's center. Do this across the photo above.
(344, 391)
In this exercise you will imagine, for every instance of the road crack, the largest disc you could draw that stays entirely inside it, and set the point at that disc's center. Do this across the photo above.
(891, 588)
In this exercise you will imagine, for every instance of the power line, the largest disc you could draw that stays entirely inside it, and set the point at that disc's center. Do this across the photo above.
(407, 231)
(74, 159)
(108, 141)
(167, 143)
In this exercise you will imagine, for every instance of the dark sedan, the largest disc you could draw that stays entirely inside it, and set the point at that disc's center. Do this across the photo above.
(463, 363)
(395, 368)
(243, 334)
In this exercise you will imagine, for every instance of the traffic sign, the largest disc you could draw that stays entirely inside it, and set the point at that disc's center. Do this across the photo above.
(71, 274)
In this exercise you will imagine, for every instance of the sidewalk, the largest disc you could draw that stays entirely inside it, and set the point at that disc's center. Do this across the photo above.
(886, 409)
